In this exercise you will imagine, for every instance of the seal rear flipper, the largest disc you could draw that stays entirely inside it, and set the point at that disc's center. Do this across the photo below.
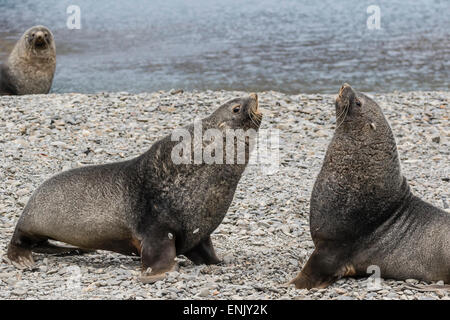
(158, 257)
(20, 257)
(49, 248)
(19, 249)
(322, 269)
(203, 253)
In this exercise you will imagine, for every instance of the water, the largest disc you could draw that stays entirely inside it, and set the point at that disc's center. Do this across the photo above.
(289, 46)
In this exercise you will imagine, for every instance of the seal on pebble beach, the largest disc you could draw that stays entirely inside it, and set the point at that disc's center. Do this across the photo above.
(30, 67)
(154, 205)
(362, 212)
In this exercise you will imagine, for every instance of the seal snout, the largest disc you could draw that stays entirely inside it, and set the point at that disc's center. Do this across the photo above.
(39, 35)
(39, 39)
(345, 91)
(253, 109)
(346, 95)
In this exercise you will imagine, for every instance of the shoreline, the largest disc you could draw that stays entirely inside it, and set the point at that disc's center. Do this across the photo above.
(175, 91)
(264, 239)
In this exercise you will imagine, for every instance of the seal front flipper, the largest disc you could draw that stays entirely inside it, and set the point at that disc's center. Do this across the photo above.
(158, 257)
(322, 269)
(203, 253)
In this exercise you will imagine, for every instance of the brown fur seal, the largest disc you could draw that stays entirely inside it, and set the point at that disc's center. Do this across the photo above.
(362, 211)
(30, 67)
(148, 206)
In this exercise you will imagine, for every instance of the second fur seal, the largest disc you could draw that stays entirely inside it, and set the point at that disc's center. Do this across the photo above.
(362, 212)
(148, 206)
(31, 65)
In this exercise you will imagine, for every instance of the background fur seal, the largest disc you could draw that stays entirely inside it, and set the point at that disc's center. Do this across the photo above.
(148, 206)
(30, 67)
(362, 211)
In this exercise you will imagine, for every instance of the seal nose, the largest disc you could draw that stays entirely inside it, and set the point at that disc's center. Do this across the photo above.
(39, 35)
(345, 90)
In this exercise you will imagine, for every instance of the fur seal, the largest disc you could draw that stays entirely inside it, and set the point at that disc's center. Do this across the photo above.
(149, 206)
(362, 212)
(30, 67)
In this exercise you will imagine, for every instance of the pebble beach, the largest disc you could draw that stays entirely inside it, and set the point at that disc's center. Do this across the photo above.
(264, 240)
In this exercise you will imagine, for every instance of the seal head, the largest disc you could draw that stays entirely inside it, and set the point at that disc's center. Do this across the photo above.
(241, 113)
(39, 39)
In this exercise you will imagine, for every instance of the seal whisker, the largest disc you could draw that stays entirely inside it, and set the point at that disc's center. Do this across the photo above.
(340, 114)
(345, 115)
(252, 116)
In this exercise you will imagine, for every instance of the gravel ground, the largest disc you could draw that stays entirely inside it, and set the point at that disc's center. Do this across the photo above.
(264, 240)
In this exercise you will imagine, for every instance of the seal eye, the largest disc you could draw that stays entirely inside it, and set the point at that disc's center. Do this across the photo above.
(236, 108)
(358, 103)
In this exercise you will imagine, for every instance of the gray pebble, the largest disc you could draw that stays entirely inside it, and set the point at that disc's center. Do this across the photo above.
(264, 239)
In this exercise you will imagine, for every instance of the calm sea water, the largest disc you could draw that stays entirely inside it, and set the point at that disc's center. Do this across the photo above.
(289, 46)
